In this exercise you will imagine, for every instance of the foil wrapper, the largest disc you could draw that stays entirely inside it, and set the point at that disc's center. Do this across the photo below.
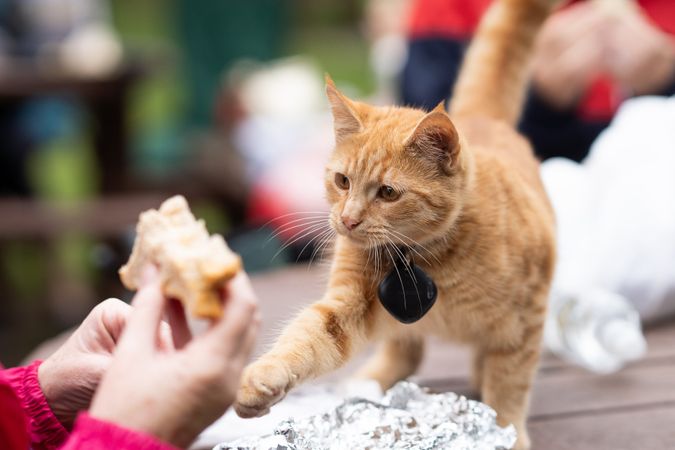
(407, 417)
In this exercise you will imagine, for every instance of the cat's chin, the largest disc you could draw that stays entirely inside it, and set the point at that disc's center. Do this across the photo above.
(363, 242)
(357, 239)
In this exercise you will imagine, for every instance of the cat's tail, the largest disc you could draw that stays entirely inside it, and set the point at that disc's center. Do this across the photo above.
(493, 79)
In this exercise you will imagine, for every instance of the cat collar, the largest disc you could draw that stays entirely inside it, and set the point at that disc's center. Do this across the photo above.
(407, 292)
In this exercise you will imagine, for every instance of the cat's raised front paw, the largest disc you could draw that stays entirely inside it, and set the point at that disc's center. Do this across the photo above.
(263, 384)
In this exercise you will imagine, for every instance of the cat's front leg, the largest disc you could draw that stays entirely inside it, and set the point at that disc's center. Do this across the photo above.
(395, 359)
(508, 374)
(319, 340)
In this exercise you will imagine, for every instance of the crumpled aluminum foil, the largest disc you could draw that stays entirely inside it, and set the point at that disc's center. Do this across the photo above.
(408, 417)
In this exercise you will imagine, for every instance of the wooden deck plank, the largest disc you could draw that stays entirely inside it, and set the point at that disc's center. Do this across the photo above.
(579, 391)
(630, 429)
(571, 409)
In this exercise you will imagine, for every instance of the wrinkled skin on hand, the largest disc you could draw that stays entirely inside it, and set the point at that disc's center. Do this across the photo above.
(71, 375)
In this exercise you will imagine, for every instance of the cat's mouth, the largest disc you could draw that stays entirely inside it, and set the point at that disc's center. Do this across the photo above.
(357, 235)
(354, 234)
(362, 235)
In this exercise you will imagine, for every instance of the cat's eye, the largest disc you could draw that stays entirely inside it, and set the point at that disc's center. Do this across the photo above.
(341, 181)
(388, 193)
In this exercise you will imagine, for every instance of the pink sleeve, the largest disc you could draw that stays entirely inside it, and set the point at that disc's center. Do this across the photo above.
(45, 429)
(90, 433)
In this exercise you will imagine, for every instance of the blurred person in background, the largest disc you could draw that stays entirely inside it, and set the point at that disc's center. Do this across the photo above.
(590, 56)
(151, 385)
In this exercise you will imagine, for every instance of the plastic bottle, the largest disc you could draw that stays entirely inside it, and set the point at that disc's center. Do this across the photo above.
(596, 329)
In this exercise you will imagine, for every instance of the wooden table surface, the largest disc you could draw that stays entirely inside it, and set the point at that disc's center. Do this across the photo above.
(571, 408)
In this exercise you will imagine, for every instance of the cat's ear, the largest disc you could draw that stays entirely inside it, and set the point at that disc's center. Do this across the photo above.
(435, 138)
(346, 119)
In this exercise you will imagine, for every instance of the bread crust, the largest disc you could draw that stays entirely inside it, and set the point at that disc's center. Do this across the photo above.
(193, 265)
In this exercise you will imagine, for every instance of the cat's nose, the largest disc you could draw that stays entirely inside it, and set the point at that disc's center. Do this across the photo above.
(350, 223)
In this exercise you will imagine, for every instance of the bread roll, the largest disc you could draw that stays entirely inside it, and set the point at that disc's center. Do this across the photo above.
(193, 266)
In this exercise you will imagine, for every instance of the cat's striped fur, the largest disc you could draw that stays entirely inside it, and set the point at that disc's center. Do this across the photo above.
(473, 210)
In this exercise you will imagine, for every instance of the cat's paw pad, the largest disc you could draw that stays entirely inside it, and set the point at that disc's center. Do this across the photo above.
(262, 385)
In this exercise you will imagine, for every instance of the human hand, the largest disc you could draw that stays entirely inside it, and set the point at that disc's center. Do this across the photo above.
(569, 54)
(174, 395)
(70, 376)
(639, 55)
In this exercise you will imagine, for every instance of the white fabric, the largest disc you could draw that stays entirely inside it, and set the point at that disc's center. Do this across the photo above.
(616, 210)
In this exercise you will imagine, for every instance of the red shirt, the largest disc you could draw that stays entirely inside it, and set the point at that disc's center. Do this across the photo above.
(27, 422)
(458, 19)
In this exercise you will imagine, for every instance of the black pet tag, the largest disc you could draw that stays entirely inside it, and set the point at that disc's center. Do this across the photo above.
(407, 295)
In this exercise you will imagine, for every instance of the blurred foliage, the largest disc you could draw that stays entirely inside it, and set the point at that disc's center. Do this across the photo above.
(326, 13)
(144, 23)
(74, 254)
(24, 267)
(148, 32)
(213, 216)
(64, 169)
(341, 52)
(330, 32)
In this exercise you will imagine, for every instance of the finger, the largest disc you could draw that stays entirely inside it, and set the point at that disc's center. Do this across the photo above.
(575, 67)
(247, 344)
(580, 18)
(178, 323)
(240, 309)
(571, 26)
(112, 315)
(563, 79)
(164, 338)
(143, 326)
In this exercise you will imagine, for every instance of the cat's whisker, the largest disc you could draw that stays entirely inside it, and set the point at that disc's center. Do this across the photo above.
(308, 232)
(318, 236)
(289, 227)
(403, 258)
(309, 214)
(314, 227)
(372, 250)
(378, 261)
(408, 267)
(400, 279)
(323, 238)
(325, 246)
(329, 240)
(378, 256)
(402, 236)
(411, 248)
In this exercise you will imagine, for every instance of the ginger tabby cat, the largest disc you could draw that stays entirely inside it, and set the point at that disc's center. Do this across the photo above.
(462, 192)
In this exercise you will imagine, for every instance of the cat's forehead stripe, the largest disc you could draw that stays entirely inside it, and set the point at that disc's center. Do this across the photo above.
(370, 165)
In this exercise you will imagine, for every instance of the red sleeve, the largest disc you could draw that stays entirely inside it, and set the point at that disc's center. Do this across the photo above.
(45, 430)
(13, 426)
(92, 434)
(661, 12)
(454, 19)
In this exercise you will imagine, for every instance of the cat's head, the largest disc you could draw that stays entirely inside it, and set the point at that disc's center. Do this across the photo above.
(396, 174)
